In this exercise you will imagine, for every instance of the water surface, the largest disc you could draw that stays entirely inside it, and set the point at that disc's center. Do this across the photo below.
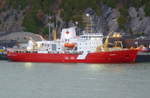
(53, 80)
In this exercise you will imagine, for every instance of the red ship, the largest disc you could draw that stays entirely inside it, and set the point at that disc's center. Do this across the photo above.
(122, 56)
(87, 48)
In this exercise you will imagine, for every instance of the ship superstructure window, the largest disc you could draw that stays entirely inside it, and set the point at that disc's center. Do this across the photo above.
(89, 42)
(53, 47)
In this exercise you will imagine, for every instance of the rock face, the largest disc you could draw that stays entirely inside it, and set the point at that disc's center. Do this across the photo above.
(11, 20)
(132, 12)
(20, 36)
(112, 20)
(107, 22)
(139, 22)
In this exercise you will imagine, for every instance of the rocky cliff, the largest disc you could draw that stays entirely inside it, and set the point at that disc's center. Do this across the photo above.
(34, 15)
(136, 21)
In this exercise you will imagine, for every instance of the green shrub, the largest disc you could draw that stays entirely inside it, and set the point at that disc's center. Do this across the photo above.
(121, 22)
(147, 9)
(45, 30)
(110, 3)
(124, 12)
(74, 9)
(17, 4)
(137, 3)
(30, 22)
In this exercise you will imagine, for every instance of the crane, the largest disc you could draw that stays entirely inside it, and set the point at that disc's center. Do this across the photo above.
(105, 45)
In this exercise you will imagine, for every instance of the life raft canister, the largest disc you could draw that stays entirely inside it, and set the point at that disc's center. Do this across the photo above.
(69, 45)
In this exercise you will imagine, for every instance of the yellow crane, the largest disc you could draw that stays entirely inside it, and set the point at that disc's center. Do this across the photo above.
(104, 47)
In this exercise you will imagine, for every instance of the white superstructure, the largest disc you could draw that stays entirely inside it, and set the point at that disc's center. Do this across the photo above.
(69, 42)
(68, 33)
(89, 42)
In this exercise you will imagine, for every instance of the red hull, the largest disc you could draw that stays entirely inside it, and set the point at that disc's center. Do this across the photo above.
(122, 56)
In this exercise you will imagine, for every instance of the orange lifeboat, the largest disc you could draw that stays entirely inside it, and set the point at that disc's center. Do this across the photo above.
(69, 45)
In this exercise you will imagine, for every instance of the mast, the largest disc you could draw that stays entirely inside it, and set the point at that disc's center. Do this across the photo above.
(88, 23)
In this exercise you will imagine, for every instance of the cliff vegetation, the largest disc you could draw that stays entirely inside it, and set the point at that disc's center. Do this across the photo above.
(34, 15)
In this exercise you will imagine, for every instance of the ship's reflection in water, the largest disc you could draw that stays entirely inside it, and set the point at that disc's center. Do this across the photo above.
(28, 65)
(96, 67)
(106, 67)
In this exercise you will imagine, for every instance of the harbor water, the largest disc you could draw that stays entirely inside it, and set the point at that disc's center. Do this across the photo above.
(53, 80)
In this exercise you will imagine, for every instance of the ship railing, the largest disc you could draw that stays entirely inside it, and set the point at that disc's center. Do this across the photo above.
(36, 51)
(21, 50)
